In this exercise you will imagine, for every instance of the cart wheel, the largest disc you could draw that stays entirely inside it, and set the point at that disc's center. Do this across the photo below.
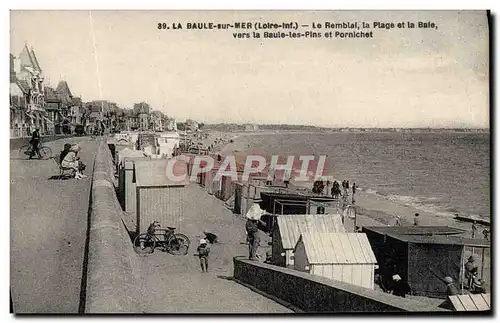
(178, 244)
(144, 244)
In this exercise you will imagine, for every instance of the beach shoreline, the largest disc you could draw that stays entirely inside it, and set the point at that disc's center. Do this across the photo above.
(378, 207)
(372, 209)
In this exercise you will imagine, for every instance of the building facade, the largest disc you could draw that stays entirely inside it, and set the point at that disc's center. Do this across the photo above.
(27, 95)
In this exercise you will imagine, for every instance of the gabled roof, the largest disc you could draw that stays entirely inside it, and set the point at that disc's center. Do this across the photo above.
(35, 60)
(292, 226)
(64, 92)
(158, 114)
(337, 248)
(24, 85)
(51, 95)
(28, 59)
(142, 107)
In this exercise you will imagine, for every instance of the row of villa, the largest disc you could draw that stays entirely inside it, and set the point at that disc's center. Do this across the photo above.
(55, 110)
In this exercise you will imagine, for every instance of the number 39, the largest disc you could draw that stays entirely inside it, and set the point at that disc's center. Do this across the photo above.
(162, 25)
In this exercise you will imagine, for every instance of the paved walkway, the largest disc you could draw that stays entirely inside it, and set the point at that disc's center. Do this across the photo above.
(175, 284)
(48, 225)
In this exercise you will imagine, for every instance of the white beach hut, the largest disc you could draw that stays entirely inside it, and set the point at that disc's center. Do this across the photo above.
(288, 228)
(346, 257)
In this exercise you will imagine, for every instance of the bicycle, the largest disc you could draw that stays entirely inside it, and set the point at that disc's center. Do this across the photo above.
(26, 152)
(167, 239)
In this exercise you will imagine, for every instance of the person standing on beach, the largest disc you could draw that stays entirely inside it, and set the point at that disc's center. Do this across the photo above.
(398, 221)
(474, 229)
(486, 234)
(353, 192)
(286, 177)
(416, 220)
(203, 251)
(344, 187)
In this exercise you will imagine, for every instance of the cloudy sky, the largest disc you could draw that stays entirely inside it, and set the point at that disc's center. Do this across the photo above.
(400, 78)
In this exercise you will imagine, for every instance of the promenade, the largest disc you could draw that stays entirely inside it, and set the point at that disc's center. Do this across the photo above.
(49, 219)
(48, 223)
(175, 284)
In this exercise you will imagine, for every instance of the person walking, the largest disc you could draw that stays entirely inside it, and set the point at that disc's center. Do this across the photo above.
(203, 251)
(471, 269)
(35, 143)
(252, 229)
(416, 220)
(252, 238)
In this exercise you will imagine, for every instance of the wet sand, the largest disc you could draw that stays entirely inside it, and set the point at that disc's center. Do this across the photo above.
(372, 209)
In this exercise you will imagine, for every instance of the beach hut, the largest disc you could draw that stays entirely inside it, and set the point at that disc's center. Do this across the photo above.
(345, 257)
(159, 197)
(422, 260)
(238, 198)
(289, 228)
(126, 181)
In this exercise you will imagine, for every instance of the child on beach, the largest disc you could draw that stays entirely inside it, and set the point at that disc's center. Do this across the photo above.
(203, 251)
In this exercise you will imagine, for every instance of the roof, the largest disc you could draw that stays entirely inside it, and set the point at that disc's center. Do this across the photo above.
(64, 92)
(416, 230)
(28, 59)
(472, 302)
(154, 173)
(51, 95)
(158, 114)
(126, 152)
(292, 226)
(300, 196)
(337, 248)
(24, 85)
(441, 240)
(35, 60)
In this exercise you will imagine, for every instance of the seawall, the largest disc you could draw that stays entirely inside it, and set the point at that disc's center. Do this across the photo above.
(111, 278)
(316, 294)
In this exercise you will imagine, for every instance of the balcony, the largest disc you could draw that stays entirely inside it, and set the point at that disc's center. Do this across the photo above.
(35, 107)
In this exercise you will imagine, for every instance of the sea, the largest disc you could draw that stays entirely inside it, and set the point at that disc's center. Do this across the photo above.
(444, 173)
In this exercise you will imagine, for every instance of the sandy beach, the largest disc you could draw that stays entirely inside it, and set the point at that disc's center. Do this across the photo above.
(371, 209)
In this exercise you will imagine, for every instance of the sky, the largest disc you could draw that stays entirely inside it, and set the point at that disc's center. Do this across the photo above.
(399, 78)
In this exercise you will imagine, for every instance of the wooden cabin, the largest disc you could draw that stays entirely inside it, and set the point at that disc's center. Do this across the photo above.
(289, 228)
(159, 198)
(422, 260)
(345, 257)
